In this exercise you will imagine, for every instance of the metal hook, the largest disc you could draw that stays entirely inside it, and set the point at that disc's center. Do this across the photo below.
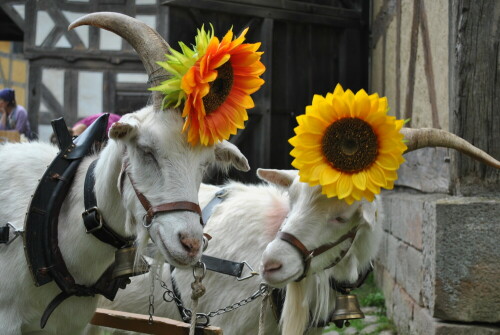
(252, 272)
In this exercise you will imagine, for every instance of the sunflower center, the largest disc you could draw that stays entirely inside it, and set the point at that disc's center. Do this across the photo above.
(219, 88)
(350, 145)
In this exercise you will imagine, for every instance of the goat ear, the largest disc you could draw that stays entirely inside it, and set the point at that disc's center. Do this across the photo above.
(278, 177)
(369, 211)
(227, 153)
(125, 129)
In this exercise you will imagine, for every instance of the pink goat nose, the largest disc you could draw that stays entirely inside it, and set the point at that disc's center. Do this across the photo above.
(272, 265)
(191, 245)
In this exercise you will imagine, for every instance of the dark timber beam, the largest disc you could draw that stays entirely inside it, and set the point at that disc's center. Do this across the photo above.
(475, 91)
(288, 11)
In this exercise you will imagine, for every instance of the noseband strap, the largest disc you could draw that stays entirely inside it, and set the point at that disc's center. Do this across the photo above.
(307, 255)
(151, 210)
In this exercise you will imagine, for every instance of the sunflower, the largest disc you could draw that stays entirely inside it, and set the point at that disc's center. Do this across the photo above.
(214, 79)
(347, 143)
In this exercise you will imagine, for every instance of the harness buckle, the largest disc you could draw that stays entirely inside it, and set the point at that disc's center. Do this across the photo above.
(90, 226)
(252, 272)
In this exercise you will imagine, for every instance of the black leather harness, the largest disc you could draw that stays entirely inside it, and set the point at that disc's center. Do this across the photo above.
(40, 236)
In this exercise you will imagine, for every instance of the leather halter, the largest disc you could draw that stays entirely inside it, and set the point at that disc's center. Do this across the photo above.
(307, 255)
(151, 210)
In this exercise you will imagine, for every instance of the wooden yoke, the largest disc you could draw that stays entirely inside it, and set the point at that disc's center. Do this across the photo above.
(140, 323)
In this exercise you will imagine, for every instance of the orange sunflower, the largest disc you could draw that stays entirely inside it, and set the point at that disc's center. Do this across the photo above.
(215, 80)
(347, 143)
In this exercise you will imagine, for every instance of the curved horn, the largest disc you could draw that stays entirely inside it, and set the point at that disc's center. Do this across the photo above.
(146, 41)
(431, 137)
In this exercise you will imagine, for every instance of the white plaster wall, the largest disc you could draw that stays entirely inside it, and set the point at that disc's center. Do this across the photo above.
(90, 86)
(437, 21)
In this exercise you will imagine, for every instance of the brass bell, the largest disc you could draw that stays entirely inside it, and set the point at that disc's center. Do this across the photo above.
(124, 263)
(346, 308)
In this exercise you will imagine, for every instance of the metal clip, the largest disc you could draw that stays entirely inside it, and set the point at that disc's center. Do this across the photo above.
(5, 239)
(252, 272)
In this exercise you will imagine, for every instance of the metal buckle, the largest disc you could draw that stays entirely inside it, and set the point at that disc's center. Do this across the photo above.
(98, 215)
(252, 272)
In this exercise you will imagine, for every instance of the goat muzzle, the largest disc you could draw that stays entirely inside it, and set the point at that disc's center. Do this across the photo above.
(308, 255)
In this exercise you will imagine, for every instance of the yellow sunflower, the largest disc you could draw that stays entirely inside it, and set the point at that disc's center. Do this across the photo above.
(347, 143)
(214, 79)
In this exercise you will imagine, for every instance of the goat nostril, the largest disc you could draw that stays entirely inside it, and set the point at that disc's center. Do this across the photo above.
(272, 266)
(190, 245)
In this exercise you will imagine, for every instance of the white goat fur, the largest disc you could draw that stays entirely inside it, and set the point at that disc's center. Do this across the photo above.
(165, 168)
(242, 226)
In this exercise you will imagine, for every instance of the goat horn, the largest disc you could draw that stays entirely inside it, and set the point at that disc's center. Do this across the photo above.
(146, 41)
(431, 137)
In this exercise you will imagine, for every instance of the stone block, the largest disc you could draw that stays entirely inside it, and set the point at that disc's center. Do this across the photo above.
(386, 284)
(392, 256)
(402, 313)
(426, 170)
(443, 328)
(429, 254)
(467, 285)
(383, 250)
(425, 324)
(410, 271)
(407, 224)
(387, 211)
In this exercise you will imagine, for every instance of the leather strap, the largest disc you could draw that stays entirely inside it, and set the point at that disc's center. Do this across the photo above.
(301, 248)
(307, 255)
(223, 266)
(151, 210)
(173, 207)
(295, 242)
(92, 218)
(52, 306)
(217, 199)
(178, 295)
(325, 247)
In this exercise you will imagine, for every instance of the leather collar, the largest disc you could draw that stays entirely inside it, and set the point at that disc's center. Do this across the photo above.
(92, 218)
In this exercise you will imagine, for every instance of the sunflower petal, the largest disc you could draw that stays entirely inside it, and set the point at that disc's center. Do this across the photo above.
(344, 186)
(359, 180)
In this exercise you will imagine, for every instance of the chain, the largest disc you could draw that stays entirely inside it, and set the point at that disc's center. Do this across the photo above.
(169, 296)
(151, 311)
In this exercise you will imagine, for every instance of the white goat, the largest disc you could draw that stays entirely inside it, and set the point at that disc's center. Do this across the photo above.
(283, 264)
(242, 226)
(164, 167)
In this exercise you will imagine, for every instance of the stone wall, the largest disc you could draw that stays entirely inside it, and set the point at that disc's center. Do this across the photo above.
(439, 263)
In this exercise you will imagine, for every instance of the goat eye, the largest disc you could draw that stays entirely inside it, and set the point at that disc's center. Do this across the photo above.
(341, 219)
(148, 153)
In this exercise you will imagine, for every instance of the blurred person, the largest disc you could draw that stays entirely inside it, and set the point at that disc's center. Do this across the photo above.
(81, 125)
(14, 116)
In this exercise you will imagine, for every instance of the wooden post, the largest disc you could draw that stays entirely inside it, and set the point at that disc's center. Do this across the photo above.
(475, 91)
(139, 323)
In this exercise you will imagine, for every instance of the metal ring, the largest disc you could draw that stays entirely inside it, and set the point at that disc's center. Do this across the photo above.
(200, 316)
(199, 265)
(144, 220)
